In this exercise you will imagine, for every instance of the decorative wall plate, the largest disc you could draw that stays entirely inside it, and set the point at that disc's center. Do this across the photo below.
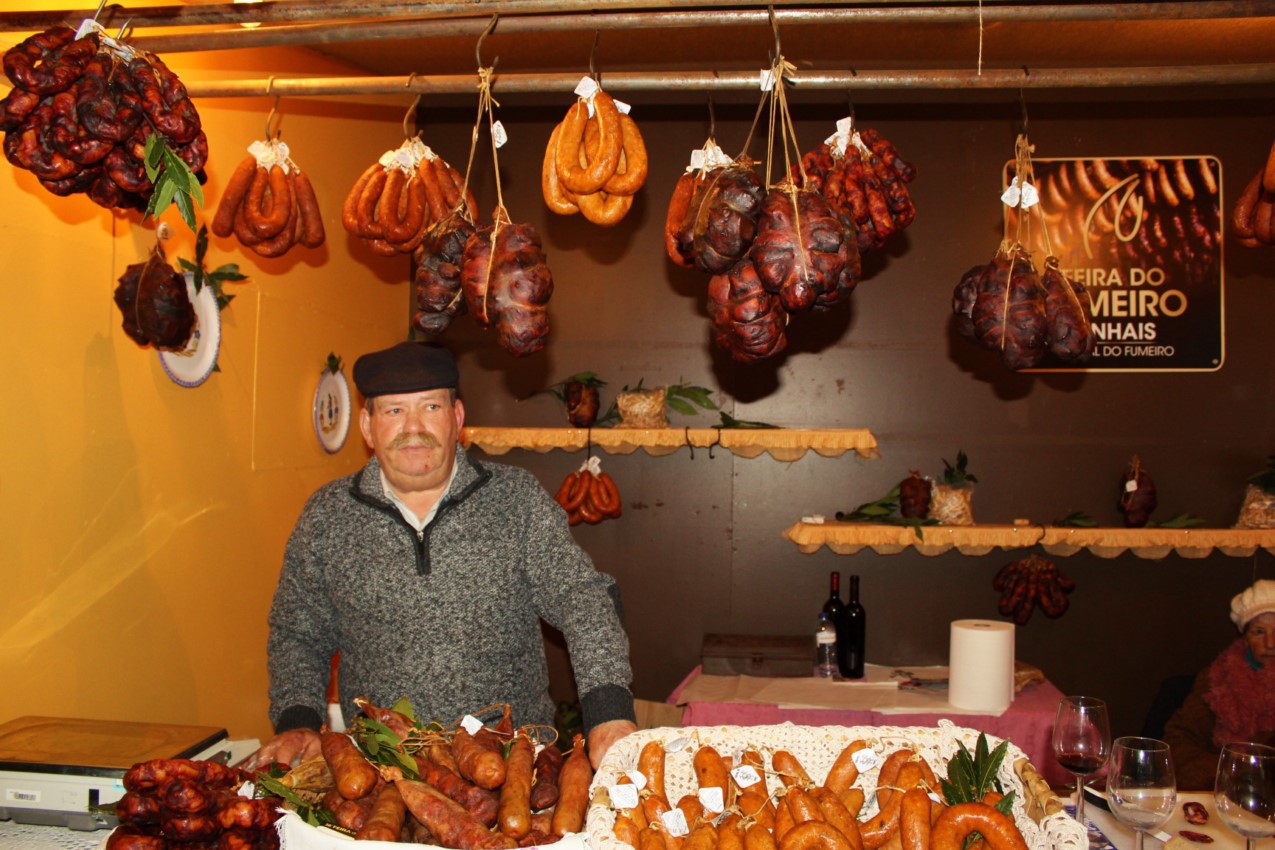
(332, 410)
(191, 366)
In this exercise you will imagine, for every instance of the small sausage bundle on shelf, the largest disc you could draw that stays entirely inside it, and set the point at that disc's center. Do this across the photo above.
(394, 202)
(1254, 215)
(589, 495)
(82, 109)
(862, 176)
(595, 161)
(269, 204)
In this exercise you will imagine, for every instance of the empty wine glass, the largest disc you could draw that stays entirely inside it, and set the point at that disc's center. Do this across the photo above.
(1140, 784)
(1081, 741)
(1244, 792)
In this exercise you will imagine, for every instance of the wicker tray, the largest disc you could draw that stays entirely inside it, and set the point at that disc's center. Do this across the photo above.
(1038, 813)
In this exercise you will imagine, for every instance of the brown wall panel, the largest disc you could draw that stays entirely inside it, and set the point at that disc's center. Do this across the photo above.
(699, 548)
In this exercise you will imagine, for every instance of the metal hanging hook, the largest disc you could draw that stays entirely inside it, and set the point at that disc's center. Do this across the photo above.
(593, 57)
(274, 109)
(774, 26)
(1022, 105)
(850, 105)
(100, 6)
(410, 115)
(712, 119)
(686, 435)
(478, 48)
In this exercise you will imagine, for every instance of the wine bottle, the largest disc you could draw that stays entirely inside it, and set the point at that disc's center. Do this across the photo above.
(833, 605)
(851, 631)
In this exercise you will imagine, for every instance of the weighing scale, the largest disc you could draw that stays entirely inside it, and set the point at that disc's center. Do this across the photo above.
(54, 771)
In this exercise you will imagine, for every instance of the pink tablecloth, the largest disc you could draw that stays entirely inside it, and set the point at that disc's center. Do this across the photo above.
(1028, 722)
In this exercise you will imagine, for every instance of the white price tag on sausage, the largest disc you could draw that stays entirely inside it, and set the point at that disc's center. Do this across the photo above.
(675, 822)
(471, 724)
(1020, 194)
(498, 134)
(676, 744)
(864, 759)
(637, 777)
(712, 799)
(623, 796)
(745, 775)
(840, 140)
(709, 156)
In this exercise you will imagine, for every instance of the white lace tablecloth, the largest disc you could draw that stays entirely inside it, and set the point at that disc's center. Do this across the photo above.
(28, 837)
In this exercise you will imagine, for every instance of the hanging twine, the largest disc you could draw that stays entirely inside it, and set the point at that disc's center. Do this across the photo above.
(485, 103)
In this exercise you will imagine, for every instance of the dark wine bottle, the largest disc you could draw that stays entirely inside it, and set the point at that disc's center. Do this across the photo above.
(833, 606)
(851, 631)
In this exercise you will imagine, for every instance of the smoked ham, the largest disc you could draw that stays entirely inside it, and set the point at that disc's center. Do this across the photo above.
(748, 321)
(802, 248)
(507, 285)
(439, 295)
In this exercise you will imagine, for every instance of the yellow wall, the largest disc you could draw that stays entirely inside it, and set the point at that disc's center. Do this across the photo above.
(143, 523)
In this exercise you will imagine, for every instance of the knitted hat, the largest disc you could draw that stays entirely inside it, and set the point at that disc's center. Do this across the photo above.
(408, 367)
(1258, 599)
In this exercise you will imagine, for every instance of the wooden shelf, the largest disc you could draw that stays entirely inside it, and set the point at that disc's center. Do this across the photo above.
(847, 538)
(783, 444)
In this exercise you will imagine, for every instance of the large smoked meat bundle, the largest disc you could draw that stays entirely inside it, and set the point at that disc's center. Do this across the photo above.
(82, 109)
(1006, 307)
(770, 251)
(155, 304)
(712, 216)
(507, 284)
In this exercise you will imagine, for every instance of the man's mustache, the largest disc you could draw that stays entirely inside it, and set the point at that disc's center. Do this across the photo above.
(404, 441)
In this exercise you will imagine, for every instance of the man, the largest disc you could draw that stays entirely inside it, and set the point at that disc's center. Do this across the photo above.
(430, 572)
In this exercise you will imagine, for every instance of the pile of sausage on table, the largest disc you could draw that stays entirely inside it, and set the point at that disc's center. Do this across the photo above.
(805, 814)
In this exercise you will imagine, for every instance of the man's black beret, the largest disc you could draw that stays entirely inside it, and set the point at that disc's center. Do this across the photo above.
(408, 367)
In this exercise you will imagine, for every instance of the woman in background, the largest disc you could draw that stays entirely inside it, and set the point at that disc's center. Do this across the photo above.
(1233, 699)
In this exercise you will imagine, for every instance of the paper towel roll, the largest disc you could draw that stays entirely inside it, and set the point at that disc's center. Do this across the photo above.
(981, 665)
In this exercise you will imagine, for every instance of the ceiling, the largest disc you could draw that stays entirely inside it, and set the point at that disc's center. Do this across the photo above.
(545, 45)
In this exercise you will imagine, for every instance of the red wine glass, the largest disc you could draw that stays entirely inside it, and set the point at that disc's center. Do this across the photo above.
(1081, 741)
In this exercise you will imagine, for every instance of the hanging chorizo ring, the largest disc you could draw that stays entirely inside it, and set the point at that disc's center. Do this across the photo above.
(49, 61)
(582, 180)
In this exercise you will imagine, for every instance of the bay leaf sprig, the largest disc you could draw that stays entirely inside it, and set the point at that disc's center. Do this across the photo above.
(173, 181)
(201, 277)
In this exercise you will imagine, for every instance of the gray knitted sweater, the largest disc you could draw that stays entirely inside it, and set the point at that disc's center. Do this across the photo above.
(450, 619)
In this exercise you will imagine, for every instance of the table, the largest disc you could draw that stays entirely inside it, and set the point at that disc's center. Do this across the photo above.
(1028, 722)
(1121, 837)
(21, 836)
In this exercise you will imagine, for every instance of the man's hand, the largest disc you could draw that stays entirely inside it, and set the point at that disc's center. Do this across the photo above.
(285, 749)
(602, 736)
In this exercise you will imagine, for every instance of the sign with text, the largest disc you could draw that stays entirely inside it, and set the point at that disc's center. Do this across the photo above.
(1144, 237)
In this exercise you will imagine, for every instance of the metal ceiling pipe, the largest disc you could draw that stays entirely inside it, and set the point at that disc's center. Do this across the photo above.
(372, 11)
(335, 33)
(1038, 78)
